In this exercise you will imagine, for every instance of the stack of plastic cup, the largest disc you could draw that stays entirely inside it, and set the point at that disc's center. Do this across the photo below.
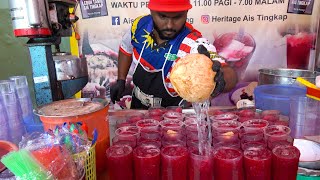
(32, 122)
(13, 108)
(4, 128)
(22, 89)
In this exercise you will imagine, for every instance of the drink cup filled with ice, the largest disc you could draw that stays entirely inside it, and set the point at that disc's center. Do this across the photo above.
(237, 49)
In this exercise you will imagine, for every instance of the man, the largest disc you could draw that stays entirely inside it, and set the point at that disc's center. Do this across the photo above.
(154, 42)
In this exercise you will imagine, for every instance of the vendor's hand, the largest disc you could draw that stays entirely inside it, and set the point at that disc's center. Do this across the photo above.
(216, 67)
(218, 78)
(116, 90)
(101, 91)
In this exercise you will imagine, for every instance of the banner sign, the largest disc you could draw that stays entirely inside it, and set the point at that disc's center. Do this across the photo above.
(249, 34)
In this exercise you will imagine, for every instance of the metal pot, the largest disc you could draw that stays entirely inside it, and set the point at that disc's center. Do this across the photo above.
(285, 76)
(69, 67)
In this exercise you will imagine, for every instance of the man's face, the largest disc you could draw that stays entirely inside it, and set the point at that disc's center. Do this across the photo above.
(168, 24)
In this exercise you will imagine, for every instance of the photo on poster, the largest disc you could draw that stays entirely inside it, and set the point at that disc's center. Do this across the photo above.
(300, 6)
(93, 8)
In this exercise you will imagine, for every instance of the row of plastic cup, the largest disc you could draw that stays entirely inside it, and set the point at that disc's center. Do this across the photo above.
(15, 108)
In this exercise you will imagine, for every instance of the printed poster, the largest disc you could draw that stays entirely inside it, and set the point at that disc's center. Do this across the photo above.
(249, 34)
(93, 8)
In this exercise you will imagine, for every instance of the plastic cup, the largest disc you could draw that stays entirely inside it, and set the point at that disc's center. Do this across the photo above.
(224, 117)
(228, 164)
(251, 136)
(257, 163)
(171, 115)
(227, 131)
(174, 109)
(135, 117)
(149, 142)
(200, 166)
(126, 135)
(13, 108)
(276, 133)
(159, 111)
(247, 145)
(174, 161)
(120, 162)
(150, 124)
(255, 125)
(285, 160)
(172, 129)
(151, 134)
(234, 144)
(271, 115)
(23, 93)
(146, 162)
(4, 128)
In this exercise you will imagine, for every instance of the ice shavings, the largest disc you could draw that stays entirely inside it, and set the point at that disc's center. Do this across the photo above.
(235, 51)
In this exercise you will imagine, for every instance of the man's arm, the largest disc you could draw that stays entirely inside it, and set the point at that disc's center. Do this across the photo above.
(230, 77)
(124, 63)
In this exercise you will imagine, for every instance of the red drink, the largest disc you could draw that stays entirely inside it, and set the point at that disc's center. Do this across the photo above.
(120, 162)
(135, 117)
(254, 125)
(228, 164)
(247, 145)
(171, 115)
(236, 49)
(174, 108)
(174, 163)
(298, 50)
(172, 129)
(276, 133)
(147, 162)
(224, 117)
(285, 160)
(257, 163)
(148, 124)
(126, 135)
(200, 166)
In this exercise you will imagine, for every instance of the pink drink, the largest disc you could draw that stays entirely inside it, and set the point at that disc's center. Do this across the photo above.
(149, 142)
(200, 166)
(156, 111)
(285, 160)
(247, 114)
(172, 129)
(254, 125)
(247, 145)
(224, 117)
(152, 134)
(236, 49)
(276, 133)
(150, 124)
(256, 135)
(123, 140)
(146, 160)
(234, 144)
(270, 115)
(174, 109)
(170, 142)
(171, 115)
(257, 163)
(228, 164)
(227, 131)
(126, 135)
(271, 143)
(298, 50)
(135, 117)
(120, 162)
(174, 163)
